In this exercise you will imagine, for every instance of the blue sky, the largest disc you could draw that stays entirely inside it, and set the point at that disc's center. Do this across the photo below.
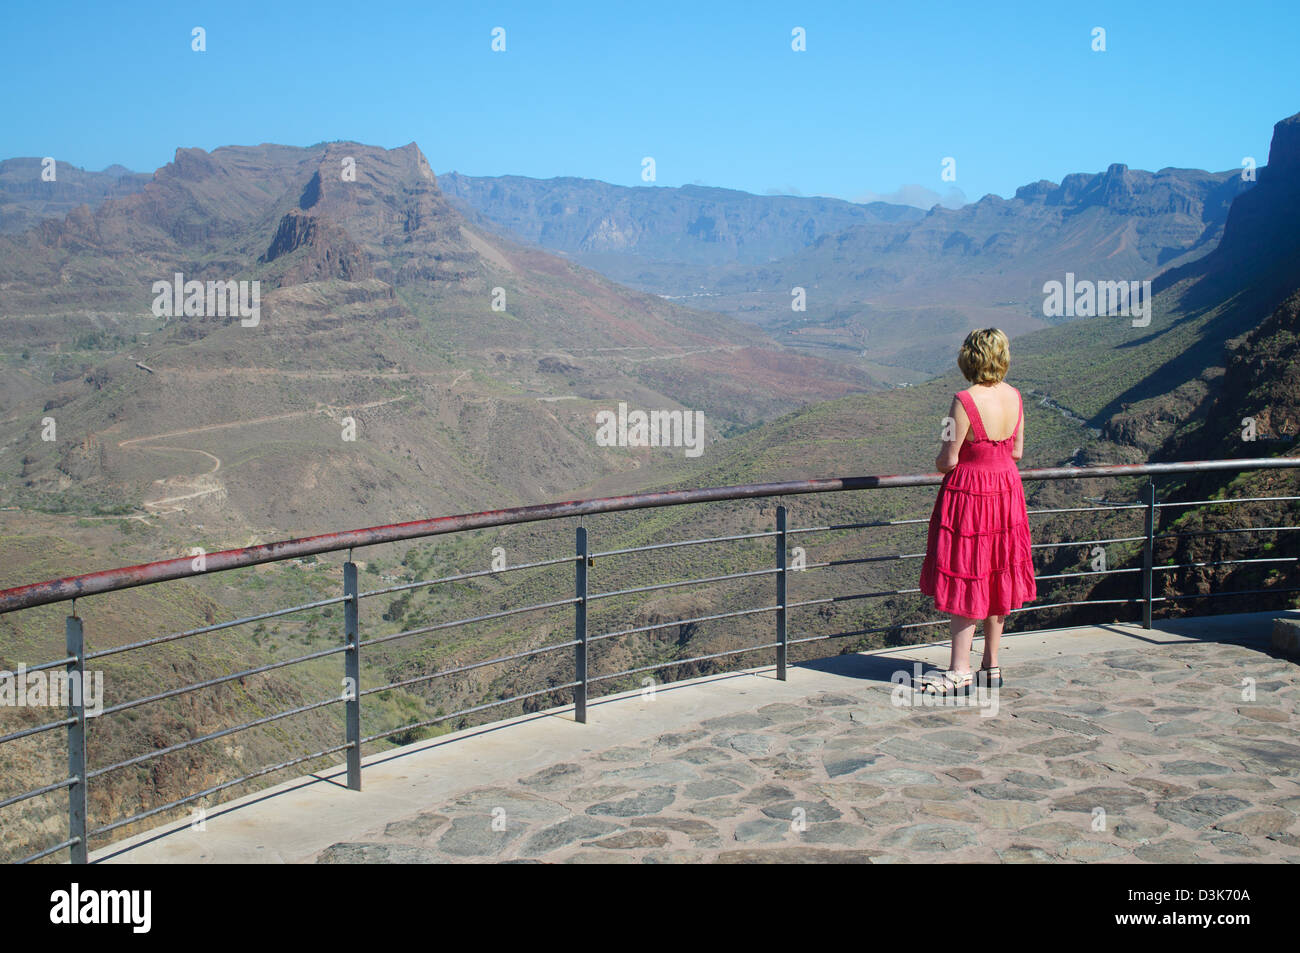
(713, 91)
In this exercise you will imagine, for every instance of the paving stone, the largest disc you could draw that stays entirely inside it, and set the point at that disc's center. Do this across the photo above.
(962, 740)
(741, 773)
(1127, 721)
(840, 766)
(554, 778)
(1092, 851)
(1150, 746)
(885, 813)
(1001, 791)
(933, 792)
(671, 857)
(474, 837)
(1009, 759)
(1201, 810)
(745, 742)
(1077, 770)
(1221, 840)
(1246, 850)
(846, 790)
(785, 767)
(570, 831)
(366, 853)
(898, 777)
(597, 792)
(814, 811)
(1180, 768)
(1265, 714)
(599, 857)
(676, 739)
(715, 787)
(621, 754)
(950, 811)
(1056, 832)
(1159, 787)
(631, 840)
(703, 756)
(1137, 664)
(768, 794)
(1255, 823)
(1110, 800)
(1172, 851)
(783, 711)
(650, 801)
(1119, 761)
(1020, 854)
(700, 833)
(1055, 719)
(798, 746)
(516, 805)
(919, 751)
(1141, 831)
(929, 838)
(796, 855)
(419, 827)
(718, 809)
(964, 774)
(1060, 747)
(1179, 726)
(1008, 815)
(1034, 781)
(1239, 782)
(667, 772)
(831, 700)
(1176, 711)
(763, 831)
(839, 833)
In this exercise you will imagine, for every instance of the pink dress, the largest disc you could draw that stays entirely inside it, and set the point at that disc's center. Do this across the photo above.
(977, 557)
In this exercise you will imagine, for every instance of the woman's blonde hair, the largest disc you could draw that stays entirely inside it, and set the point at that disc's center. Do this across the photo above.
(985, 356)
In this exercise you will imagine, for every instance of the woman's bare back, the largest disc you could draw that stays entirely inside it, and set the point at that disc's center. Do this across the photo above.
(999, 407)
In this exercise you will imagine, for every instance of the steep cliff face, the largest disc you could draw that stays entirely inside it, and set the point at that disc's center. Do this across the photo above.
(324, 250)
(1189, 404)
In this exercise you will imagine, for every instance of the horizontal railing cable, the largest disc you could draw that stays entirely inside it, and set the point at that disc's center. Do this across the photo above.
(459, 622)
(464, 575)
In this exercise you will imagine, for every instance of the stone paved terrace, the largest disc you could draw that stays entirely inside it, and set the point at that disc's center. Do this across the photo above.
(1148, 726)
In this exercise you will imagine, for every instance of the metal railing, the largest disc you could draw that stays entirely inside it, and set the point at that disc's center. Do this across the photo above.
(73, 663)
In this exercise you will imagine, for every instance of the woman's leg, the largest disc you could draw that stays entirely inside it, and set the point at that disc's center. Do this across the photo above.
(962, 631)
(992, 636)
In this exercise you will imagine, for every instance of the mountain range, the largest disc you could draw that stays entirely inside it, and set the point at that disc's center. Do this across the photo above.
(882, 283)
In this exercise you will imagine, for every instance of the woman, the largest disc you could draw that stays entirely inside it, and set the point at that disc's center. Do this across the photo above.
(978, 563)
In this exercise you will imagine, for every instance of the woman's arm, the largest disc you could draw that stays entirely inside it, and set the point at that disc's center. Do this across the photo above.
(1019, 450)
(955, 426)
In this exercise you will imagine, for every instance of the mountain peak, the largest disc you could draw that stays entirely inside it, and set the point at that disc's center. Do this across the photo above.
(1284, 153)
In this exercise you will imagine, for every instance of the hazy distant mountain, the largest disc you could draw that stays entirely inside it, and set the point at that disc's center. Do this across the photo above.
(26, 198)
(888, 287)
(694, 225)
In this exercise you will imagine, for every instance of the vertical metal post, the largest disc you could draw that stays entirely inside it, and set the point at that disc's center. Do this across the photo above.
(580, 630)
(1148, 552)
(780, 593)
(352, 674)
(76, 676)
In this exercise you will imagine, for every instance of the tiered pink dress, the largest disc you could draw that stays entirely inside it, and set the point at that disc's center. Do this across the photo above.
(978, 560)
